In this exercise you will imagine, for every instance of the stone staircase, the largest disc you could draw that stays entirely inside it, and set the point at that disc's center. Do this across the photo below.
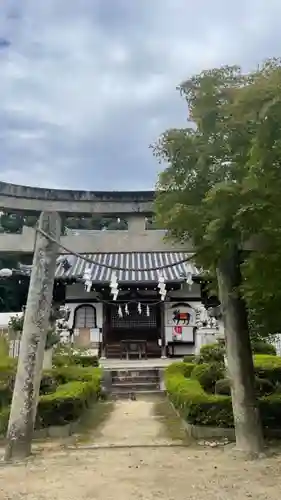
(133, 382)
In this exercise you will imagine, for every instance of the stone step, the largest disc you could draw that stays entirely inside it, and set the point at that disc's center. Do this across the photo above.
(135, 395)
(136, 386)
(133, 379)
(135, 372)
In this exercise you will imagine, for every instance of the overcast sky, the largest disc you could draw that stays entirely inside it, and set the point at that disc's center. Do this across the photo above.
(87, 85)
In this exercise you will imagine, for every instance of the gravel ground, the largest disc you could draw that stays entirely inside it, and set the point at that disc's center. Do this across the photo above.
(158, 472)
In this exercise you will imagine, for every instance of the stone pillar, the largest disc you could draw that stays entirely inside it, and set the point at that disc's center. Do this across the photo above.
(33, 340)
(136, 223)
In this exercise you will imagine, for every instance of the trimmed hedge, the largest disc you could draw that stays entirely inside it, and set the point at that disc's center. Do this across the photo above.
(263, 347)
(212, 353)
(71, 373)
(190, 358)
(7, 379)
(75, 387)
(180, 367)
(66, 404)
(198, 407)
(195, 405)
(263, 387)
(268, 367)
(60, 360)
(208, 374)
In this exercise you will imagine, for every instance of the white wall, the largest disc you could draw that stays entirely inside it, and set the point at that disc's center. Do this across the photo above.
(187, 292)
(77, 291)
(5, 318)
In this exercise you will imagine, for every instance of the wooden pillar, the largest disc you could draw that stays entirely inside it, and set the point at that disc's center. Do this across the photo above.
(163, 335)
(104, 332)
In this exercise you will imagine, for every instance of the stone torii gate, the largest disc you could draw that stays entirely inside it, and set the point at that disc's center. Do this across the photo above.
(54, 202)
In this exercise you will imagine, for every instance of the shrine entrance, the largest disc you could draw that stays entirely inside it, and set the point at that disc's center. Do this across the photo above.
(133, 330)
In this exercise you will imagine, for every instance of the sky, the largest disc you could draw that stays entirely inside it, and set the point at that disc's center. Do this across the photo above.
(87, 85)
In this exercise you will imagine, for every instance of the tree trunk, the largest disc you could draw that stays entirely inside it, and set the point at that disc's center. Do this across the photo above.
(33, 340)
(248, 429)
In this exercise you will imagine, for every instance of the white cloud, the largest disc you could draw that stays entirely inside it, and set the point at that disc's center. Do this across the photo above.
(86, 86)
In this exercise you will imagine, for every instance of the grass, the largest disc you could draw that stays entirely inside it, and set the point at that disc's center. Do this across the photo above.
(92, 421)
(172, 426)
(88, 429)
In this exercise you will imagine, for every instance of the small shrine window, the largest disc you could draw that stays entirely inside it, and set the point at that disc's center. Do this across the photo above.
(85, 316)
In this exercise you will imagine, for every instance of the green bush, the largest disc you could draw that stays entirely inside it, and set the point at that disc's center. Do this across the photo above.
(180, 367)
(212, 353)
(4, 420)
(7, 380)
(5, 394)
(70, 359)
(73, 373)
(65, 405)
(200, 408)
(189, 358)
(263, 387)
(208, 374)
(270, 411)
(268, 367)
(64, 393)
(70, 399)
(48, 383)
(223, 387)
(263, 347)
(195, 405)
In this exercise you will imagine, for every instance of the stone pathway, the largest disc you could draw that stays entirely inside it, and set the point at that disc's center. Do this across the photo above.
(143, 473)
(133, 423)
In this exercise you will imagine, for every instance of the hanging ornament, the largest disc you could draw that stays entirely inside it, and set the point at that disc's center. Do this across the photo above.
(162, 287)
(147, 311)
(120, 313)
(114, 286)
(126, 309)
(139, 308)
(188, 275)
(214, 323)
(87, 277)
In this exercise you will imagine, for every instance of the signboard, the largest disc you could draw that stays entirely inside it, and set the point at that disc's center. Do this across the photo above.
(95, 335)
(180, 322)
(177, 332)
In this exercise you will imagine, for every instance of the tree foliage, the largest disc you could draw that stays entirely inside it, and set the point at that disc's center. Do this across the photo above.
(222, 178)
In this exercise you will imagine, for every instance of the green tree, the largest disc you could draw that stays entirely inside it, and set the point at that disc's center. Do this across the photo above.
(261, 103)
(11, 222)
(202, 194)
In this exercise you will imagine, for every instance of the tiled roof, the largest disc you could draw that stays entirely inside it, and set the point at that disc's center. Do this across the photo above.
(141, 261)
